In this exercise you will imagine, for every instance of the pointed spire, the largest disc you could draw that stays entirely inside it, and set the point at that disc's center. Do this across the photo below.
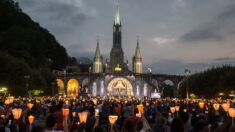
(117, 20)
(97, 51)
(137, 51)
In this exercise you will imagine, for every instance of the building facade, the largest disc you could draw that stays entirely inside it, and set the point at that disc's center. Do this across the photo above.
(113, 78)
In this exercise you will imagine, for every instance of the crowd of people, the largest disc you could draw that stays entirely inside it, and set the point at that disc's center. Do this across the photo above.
(58, 114)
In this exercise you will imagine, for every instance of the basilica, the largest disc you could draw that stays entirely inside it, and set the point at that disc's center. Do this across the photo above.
(114, 77)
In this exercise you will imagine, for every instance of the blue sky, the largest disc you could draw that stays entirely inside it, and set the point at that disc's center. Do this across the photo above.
(174, 34)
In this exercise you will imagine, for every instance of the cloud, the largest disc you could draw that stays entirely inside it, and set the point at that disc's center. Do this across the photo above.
(225, 59)
(56, 14)
(162, 40)
(178, 67)
(217, 29)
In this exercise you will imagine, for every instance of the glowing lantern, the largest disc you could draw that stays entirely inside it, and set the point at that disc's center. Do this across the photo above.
(65, 111)
(94, 101)
(83, 116)
(74, 114)
(140, 108)
(231, 112)
(112, 119)
(177, 108)
(201, 105)
(11, 99)
(172, 109)
(7, 101)
(66, 102)
(16, 113)
(216, 106)
(31, 119)
(30, 105)
(225, 106)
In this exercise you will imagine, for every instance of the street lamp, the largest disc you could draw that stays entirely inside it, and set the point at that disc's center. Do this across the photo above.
(187, 72)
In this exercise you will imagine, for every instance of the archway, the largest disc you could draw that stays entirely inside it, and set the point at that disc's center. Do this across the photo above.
(72, 88)
(168, 88)
(120, 87)
(60, 85)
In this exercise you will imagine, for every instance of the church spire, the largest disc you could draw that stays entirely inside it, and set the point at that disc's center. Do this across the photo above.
(117, 20)
(137, 60)
(97, 63)
(137, 51)
(97, 51)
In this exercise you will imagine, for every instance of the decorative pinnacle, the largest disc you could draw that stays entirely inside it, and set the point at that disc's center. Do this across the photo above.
(117, 20)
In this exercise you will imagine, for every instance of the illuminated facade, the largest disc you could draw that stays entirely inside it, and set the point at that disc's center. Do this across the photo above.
(113, 78)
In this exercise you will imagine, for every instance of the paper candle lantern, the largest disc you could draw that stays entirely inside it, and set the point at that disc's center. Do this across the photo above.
(11, 99)
(216, 106)
(201, 105)
(65, 111)
(30, 105)
(83, 116)
(16, 113)
(231, 112)
(225, 106)
(112, 119)
(74, 114)
(172, 109)
(31, 119)
(140, 108)
(177, 108)
(94, 101)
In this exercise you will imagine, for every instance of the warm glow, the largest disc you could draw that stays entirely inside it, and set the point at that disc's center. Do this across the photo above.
(65, 111)
(30, 106)
(231, 112)
(201, 105)
(31, 119)
(7, 101)
(225, 106)
(112, 119)
(66, 102)
(94, 101)
(140, 108)
(73, 87)
(83, 116)
(177, 108)
(11, 99)
(118, 68)
(74, 114)
(172, 109)
(216, 106)
(16, 113)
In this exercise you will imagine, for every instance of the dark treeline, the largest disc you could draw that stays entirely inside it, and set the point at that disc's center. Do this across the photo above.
(211, 82)
(27, 49)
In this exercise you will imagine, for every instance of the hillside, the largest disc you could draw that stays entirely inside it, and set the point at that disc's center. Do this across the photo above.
(27, 49)
(211, 82)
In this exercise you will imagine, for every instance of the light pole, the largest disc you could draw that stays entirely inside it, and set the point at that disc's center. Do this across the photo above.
(187, 72)
(27, 77)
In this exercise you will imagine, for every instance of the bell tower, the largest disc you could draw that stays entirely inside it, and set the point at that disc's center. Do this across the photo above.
(116, 54)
